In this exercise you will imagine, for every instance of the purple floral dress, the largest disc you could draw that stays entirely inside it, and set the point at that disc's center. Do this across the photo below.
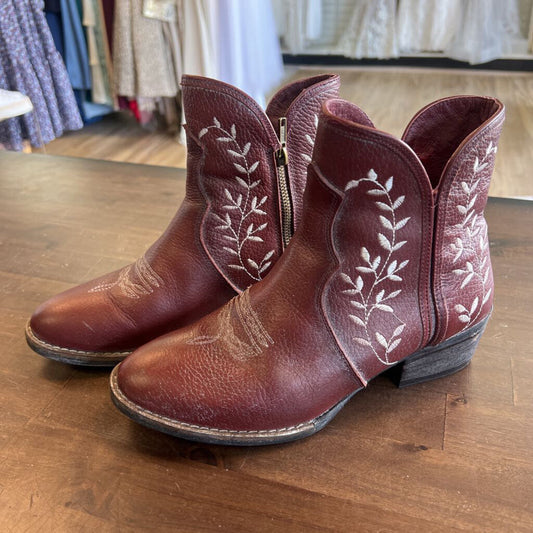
(30, 64)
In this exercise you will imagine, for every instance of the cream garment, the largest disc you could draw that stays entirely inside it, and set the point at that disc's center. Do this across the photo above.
(427, 25)
(530, 35)
(298, 22)
(98, 50)
(197, 29)
(371, 30)
(196, 36)
(249, 50)
(487, 30)
(141, 55)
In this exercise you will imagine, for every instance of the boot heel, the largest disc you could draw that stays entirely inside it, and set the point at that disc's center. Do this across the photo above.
(442, 360)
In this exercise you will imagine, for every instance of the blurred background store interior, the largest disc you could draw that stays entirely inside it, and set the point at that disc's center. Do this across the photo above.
(124, 60)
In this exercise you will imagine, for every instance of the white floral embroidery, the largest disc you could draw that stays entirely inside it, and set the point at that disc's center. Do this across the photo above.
(134, 281)
(307, 157)
(367, 297)
(479, 244)
(243, 204)
(239, 330)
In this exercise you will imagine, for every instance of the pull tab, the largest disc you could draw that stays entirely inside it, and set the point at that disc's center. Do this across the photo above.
(282, 156)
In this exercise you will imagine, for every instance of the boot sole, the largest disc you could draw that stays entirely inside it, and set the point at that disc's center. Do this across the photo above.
(71, 356)
(430, 363)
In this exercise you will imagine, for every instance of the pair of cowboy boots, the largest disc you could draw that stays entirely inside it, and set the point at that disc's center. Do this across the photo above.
(261, 340)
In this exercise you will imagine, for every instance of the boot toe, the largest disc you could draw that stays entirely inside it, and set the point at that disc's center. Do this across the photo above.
(78, 327)
(200, 383)
(61, 323)
(173, 386)
(160, 378)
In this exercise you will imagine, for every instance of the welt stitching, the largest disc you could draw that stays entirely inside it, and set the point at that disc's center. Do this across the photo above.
(69, 350)
(126, 400)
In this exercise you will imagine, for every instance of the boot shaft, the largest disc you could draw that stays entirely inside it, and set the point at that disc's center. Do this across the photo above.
(240, 163)
(408, 235)
(460, 168)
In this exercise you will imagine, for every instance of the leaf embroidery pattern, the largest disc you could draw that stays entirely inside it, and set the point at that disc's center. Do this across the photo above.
(310, 139)
(476, 242)
(234, 220)
(134, 281)
(367, 296)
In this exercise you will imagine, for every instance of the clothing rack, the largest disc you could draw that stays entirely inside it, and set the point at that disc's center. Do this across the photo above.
(131, 54)
(408, 32)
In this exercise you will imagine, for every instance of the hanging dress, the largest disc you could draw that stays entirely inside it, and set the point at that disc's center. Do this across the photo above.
(30, 64)
(142, 58)
(371, 31)
(298, 22)
(249, 54)
(487, 30)
(427, 25)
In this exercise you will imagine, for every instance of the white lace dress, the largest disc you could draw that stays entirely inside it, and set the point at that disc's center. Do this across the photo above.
(427, 25)
(370, 31)
(487, 30)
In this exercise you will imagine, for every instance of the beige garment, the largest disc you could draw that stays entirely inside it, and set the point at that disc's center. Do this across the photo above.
(195, 36)
(530, 33)
(142, 56)
(427, 25)
(98, 52)
(198, 32)
(171, 32)
(109, 72)
(98, 91)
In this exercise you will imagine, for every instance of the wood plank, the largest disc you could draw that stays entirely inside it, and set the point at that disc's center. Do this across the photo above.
(58, 483)
(119, 138)
(454, 454)
(428, 484)
(522, 370)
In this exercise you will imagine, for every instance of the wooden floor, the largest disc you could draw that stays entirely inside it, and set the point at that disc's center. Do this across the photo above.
(454, 454)
(389, 96)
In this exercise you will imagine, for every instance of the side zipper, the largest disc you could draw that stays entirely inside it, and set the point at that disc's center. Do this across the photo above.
(282, 160)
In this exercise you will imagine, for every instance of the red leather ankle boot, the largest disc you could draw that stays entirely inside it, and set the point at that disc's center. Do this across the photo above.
(246, 173)
(390, 266)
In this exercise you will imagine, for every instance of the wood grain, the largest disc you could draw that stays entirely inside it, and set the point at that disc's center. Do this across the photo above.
(390, 96)
(454, 454)
(118, 137)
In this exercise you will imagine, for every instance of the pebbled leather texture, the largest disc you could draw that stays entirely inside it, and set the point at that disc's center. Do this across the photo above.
(125, 309)
(266, 360)
(187, 273)
(464, 286)
(239, 176)
(376, 302)
(330, 315)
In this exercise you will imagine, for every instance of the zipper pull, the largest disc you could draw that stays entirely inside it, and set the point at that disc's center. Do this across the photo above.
(282, 156)
(282, 159)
